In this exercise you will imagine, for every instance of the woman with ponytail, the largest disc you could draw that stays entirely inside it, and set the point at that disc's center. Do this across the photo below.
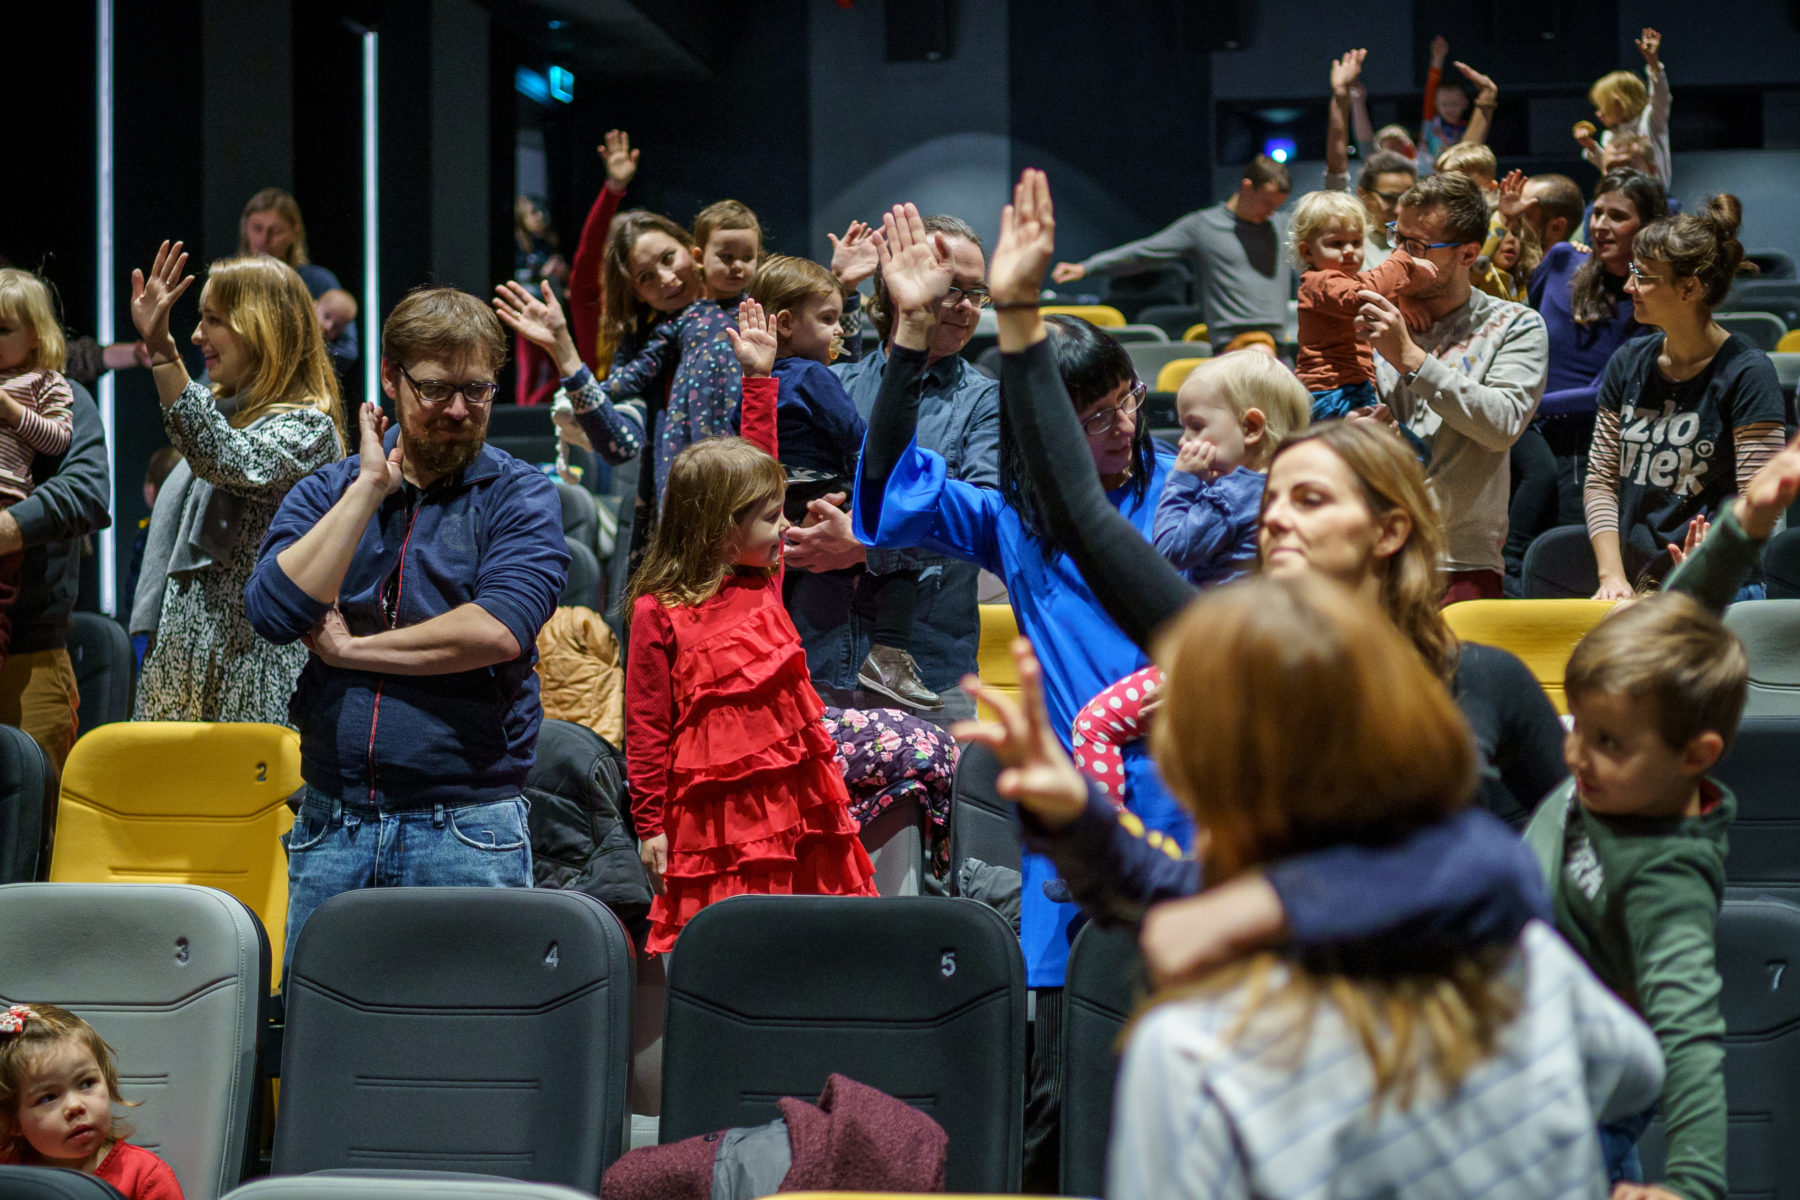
(1685, 418)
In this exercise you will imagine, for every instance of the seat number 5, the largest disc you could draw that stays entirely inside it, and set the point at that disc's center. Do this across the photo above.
(947, 964)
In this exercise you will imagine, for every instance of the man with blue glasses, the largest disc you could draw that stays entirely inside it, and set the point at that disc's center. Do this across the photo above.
(418, 573)
(1467, 385)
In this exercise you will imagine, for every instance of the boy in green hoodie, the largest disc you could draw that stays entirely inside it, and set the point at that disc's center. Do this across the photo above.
(1633, 847)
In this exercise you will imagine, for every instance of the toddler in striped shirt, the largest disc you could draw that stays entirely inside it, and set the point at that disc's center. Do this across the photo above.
(34, 405)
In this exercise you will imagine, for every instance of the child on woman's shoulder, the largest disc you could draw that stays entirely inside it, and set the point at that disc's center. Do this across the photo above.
(1235, 410)
(1633, 847)
(58, 1083)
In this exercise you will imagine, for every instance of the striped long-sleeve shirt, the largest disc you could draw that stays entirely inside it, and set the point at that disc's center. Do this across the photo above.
(1665, 452)
(1208, 1109)
(44, 427)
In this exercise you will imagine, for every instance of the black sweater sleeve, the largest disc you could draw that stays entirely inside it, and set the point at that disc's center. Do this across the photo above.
(1136, 587)
(892, 424)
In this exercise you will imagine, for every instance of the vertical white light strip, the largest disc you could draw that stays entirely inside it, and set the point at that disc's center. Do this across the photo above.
(371, 305)
(103, 280)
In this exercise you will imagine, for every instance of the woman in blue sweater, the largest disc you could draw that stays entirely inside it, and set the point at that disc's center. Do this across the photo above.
(1580, 293)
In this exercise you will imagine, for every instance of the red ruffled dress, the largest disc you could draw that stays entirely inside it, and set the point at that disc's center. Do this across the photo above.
(724, 748)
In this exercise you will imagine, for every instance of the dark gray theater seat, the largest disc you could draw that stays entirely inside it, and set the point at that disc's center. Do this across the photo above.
(483, 1030)
(1103, 988)
(27, 807)
(53, 1183)
(921, 997)
(176, 979)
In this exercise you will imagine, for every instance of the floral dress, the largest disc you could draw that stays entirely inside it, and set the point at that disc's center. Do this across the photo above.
(205, 662)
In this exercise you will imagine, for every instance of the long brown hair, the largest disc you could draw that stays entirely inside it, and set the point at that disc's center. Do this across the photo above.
(622, 314)
(271, 312)
(1388, 751)
(713, 485)
(1412, 588)
(287, 208)
(47, 1025)
(1589, 300)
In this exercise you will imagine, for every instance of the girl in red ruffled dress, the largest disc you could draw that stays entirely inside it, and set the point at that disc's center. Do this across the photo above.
(735, 787)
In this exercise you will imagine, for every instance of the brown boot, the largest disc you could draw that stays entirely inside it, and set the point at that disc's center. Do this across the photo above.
(892, 673)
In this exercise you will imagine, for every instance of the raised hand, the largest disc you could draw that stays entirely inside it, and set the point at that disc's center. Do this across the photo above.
(854, 257)
(1584, 135)
(915, 263)
(753, 340)
(1068, 272)
(621, 160)
(1513, 204)
(152, 297)
(1649, 44)
(534, 318)
(1485, 89)
(539, 320)
(1440, 50)
(1039, 776)
(1027, 242)
(375, 466)
(1346, 71)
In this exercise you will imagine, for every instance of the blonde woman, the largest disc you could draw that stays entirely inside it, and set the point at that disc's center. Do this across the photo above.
(266, 359)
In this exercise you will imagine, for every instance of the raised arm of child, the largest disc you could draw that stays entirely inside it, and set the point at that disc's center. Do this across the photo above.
(1345, 72)
(586, 269)
(1487, 99)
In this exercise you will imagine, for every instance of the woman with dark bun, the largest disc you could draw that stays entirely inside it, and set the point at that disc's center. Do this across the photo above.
(1685, 418)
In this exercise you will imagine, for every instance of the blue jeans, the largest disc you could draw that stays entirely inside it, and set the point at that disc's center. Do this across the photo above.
(335, 847)
(1618, 1146)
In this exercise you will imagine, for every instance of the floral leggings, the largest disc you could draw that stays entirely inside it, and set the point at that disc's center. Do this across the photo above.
(1110, 720)
(886, 755)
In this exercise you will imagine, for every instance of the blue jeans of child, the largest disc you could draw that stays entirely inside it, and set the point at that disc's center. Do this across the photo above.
(1338, 402)
(1618, 1146)
(335, 847)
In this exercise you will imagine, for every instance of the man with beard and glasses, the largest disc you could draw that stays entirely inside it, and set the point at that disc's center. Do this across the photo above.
(418, 574)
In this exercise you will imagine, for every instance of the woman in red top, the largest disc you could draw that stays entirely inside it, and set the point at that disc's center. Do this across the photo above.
(58, 1083)
(738, 783)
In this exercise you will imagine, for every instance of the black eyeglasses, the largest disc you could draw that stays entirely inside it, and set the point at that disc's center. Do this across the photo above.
(1106, 418)
(977, 295)
(1412, 245)
(478, 393)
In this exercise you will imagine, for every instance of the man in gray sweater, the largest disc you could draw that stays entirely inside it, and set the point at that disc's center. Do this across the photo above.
(1237, 251)
(1468, 384)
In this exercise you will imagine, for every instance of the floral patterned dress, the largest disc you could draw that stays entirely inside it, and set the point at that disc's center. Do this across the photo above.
(205, 662)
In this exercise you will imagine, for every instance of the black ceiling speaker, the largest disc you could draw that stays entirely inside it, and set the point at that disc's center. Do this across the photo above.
(918, 30)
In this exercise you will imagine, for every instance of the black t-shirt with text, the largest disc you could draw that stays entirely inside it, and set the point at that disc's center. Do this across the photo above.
(1677, 455)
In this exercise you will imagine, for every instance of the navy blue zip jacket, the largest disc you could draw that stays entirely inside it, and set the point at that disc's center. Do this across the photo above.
(490, 534)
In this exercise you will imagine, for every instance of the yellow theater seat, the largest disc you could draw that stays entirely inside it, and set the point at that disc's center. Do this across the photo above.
(1095, 314)
(1789, 343)
(1174, 373)
(1196, 333)
(993, 659)
(1542, 633)
(182, 802)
